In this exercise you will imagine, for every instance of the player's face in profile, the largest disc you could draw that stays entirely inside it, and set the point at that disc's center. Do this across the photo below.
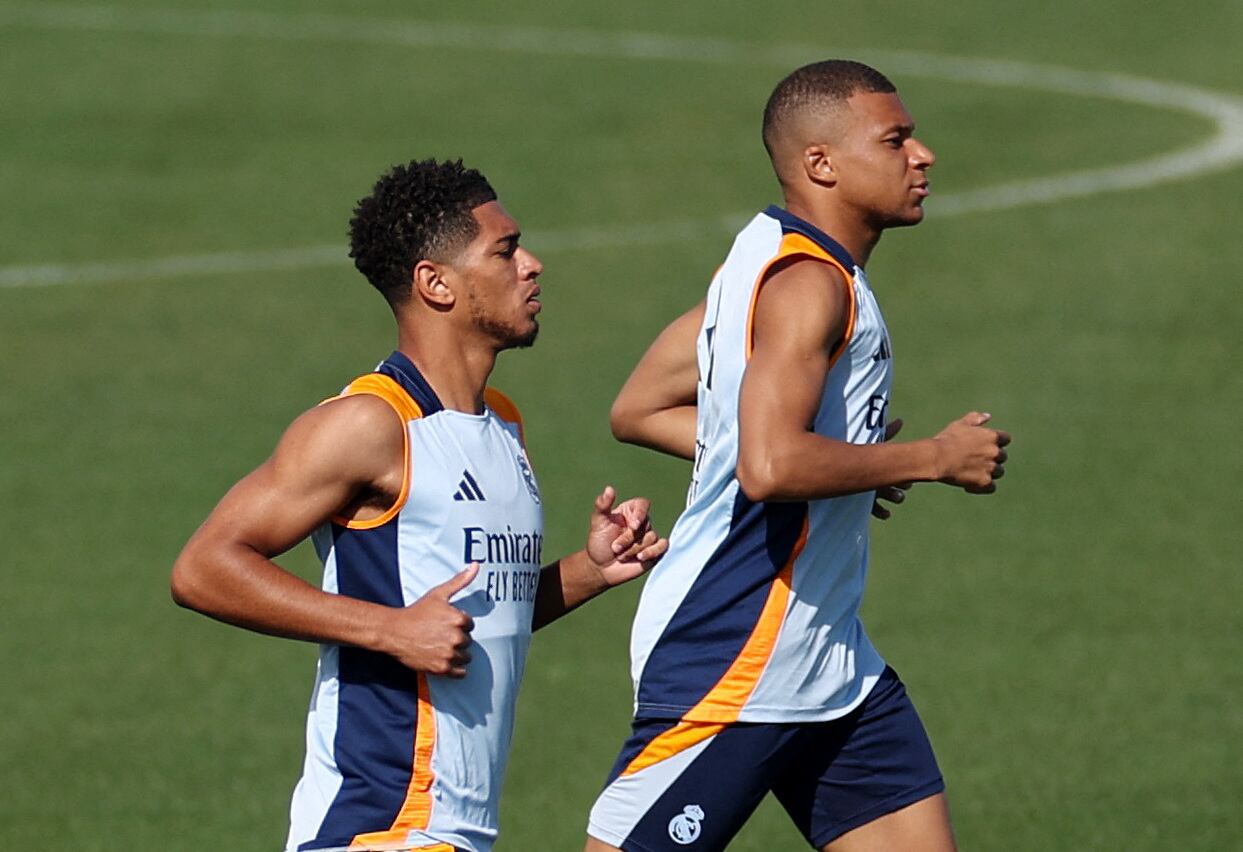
(501, 292)
(881, 166)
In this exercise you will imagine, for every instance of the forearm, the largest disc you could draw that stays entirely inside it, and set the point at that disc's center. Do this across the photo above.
(238, 585)
(671, 430)
(807, 466)
(565, 585)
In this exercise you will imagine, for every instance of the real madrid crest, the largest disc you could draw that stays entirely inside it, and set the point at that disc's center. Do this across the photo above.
(684, 828)
(528, 476)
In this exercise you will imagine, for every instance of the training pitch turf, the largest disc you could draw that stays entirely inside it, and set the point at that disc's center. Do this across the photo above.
(176, 180)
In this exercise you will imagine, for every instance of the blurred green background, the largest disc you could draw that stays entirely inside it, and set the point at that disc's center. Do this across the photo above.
(1072, 643)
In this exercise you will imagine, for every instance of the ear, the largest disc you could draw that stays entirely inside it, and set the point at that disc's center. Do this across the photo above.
(428, 282)
(819, 165)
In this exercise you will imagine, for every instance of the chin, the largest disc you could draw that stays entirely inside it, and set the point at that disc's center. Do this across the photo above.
(522, 341)
(906, 219)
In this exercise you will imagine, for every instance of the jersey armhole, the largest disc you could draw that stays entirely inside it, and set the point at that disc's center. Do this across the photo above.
(406, 409)
(795, 247)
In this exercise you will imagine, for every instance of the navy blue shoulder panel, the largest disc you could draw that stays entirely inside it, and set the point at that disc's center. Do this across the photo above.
(401, 369)
(793, 224)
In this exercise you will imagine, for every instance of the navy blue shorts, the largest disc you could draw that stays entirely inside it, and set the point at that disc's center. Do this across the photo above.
(681, 785)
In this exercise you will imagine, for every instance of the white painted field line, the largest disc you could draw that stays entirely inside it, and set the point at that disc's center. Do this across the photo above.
(1223, 150)
(311, 257)
(391, 31)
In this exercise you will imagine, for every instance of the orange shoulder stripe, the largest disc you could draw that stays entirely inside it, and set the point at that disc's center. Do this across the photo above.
(796, 245)
(505, 409)
(387, 389)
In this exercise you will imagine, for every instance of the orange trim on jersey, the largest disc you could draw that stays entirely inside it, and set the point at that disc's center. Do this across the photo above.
(416, 810)
(378, 384)
(505, 409)
(724, 702)
(795, 245)
(397, 841)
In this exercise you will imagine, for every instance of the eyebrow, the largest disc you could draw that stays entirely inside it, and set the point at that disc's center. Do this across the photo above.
(509, 239)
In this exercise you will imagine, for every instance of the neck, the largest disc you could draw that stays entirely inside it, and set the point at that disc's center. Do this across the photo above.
(856, 237)
(456, 367)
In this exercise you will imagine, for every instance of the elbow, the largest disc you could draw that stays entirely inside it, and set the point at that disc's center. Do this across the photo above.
(758, 476)
(180, 586)
(185, 585)
(622, 422)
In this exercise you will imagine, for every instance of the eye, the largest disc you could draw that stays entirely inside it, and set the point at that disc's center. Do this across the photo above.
(894, 141)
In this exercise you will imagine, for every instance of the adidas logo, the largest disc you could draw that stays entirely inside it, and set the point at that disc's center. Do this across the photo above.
(882, 353)
(468, 488)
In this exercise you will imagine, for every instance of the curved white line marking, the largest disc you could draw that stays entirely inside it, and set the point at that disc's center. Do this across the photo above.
(1223, 150)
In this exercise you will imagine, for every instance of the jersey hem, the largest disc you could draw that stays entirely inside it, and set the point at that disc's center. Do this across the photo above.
(755, 714)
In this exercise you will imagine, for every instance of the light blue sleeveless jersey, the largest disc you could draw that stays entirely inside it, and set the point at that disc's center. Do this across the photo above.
(752, 615)
(395, 759)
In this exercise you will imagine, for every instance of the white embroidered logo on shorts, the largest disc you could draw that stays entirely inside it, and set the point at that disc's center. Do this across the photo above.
(684, 828)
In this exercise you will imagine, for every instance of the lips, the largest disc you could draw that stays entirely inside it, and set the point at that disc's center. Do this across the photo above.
(922, 189)
(533, 300)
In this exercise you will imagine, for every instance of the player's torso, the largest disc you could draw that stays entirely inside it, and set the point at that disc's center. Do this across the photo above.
(752, 614)
(395, 757)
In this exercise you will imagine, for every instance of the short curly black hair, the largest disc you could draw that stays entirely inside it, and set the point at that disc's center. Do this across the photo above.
(825, 82)
(419, 211)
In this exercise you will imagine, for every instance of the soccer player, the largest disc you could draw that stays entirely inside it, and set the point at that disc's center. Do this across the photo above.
(415, 486)
(752, 670)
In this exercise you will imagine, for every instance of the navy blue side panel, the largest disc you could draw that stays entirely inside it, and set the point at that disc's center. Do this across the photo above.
(721, 609)
(401, 369)
(377, 708)
(793, 224)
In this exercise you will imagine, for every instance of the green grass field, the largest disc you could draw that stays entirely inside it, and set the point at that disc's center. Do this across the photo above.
(1072, 643)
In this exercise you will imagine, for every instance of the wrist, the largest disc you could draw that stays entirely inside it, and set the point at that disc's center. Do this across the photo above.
(594, 571)
(928, 460)
(374, 629)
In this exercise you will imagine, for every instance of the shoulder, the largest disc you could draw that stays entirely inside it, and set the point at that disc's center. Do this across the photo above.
(803, 298)
(356, 437)
(812, 276)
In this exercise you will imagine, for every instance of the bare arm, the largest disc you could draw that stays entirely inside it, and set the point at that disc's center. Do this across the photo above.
(343, 457)
(621, 545)
(801, 315)
(656, 406)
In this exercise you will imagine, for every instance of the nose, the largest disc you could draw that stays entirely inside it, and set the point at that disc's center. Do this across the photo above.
(530, 265)
(921, 155)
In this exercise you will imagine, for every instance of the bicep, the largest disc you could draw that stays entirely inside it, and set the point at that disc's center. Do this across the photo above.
(326, 458)
(800, 314)
(657, 406)
(667, 374)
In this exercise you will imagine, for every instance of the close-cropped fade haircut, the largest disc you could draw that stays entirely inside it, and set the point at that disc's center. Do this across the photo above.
(419, 211)
(820, 85)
